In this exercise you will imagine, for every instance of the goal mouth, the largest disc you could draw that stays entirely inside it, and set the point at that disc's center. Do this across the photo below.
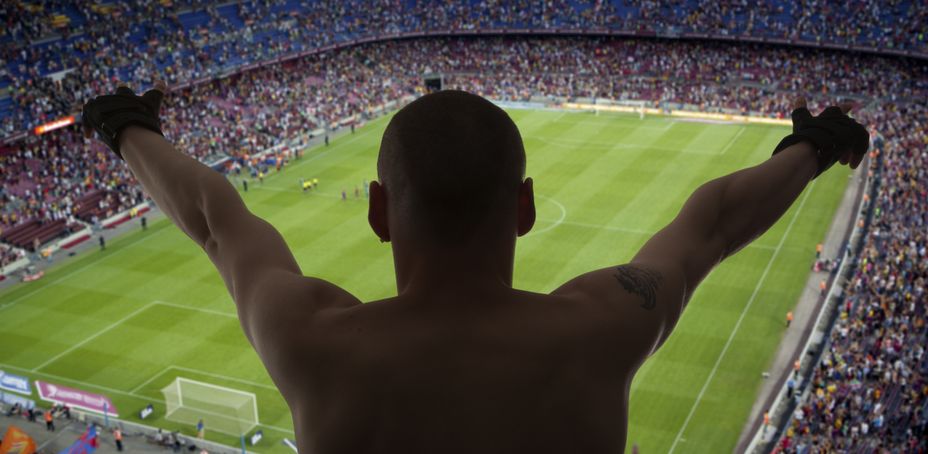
(225, 410)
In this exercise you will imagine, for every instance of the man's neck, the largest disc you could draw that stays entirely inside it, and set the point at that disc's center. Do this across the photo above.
(459, 271)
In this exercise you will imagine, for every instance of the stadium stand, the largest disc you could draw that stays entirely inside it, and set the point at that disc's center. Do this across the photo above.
(85, 46)
(869, 391)
(235, 95)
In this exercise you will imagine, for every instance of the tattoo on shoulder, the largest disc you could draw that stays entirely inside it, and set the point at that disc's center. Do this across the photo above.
(641, 282)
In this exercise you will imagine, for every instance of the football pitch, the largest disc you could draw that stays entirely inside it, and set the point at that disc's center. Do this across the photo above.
(127, 321)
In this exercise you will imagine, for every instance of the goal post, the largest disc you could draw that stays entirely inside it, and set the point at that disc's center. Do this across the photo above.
(226, 410)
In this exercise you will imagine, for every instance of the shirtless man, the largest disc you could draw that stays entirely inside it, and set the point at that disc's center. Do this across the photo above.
(459, 361)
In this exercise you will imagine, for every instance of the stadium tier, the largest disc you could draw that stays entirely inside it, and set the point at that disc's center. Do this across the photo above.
(84, 46)
(248, 76)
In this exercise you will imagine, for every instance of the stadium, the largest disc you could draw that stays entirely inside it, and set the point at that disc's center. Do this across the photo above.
(115, 328)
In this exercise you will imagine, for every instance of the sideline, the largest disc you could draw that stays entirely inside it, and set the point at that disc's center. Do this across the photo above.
(744, 312)
(807, 311)
(92, 337)
(83, 267)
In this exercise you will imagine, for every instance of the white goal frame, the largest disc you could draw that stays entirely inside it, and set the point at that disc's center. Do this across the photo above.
(176, 384)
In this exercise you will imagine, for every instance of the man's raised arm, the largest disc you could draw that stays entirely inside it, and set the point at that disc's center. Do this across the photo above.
(258, 269)
(718, 219)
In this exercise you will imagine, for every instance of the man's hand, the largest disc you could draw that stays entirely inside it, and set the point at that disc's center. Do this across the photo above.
(835, 136)
(109, 115)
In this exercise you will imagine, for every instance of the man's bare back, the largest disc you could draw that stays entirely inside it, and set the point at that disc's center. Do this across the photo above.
(506, 371)
(459, 360)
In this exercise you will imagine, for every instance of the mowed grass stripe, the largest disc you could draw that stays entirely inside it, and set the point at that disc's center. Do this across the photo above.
(593, 165)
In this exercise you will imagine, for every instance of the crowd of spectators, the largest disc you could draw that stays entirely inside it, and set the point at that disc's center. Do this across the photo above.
(870, 390)
(45, 176)
(869, 393)
(192, 39)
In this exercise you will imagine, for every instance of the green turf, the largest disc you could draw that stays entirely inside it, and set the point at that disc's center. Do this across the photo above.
(127, 321)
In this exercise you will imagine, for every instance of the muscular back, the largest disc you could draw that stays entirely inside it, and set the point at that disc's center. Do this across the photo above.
(507, 372)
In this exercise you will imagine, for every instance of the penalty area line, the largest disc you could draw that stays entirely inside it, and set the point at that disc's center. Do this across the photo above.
(146, 382)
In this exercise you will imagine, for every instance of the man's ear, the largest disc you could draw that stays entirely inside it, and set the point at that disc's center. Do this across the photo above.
(526, 207)
(377, 211)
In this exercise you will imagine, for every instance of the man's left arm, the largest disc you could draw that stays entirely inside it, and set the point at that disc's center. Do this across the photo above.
(258, 269)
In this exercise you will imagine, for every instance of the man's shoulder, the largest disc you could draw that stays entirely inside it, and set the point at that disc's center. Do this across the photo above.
(643, 283)
(642, 299)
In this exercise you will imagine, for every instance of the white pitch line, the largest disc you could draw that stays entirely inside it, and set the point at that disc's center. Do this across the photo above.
(146, 382)
(78, 270)
(557, 222)
(69, 380)
(744, 312)
(733, 139)
(635, 231)
(197, 309)
(94, 336)
(223, 377)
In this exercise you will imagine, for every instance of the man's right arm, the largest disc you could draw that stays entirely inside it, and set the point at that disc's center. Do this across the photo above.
(717, 220)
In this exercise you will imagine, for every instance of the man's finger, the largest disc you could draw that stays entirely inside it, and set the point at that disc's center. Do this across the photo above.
(154, 96)
(832, 111)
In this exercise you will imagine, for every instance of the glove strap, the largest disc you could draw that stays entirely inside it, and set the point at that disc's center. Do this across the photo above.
(110, 115)
(826, 157)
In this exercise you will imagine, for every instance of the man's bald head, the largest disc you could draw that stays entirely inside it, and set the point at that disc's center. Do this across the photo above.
(452, 163)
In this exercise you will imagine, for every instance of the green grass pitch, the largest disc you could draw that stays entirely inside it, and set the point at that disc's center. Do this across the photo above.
(127, 321)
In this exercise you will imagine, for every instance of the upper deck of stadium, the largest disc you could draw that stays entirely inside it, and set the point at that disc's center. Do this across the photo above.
(188, 40)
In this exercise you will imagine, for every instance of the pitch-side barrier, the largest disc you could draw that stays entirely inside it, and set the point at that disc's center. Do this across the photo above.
(133, 429)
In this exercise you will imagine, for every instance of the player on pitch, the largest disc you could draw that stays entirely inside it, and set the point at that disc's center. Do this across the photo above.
(460, 361)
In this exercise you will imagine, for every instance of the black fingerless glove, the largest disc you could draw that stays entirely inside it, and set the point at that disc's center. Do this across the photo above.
(832, 133)
(110, 114)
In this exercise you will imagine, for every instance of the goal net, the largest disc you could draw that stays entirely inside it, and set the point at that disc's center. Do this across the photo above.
(222, 409)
